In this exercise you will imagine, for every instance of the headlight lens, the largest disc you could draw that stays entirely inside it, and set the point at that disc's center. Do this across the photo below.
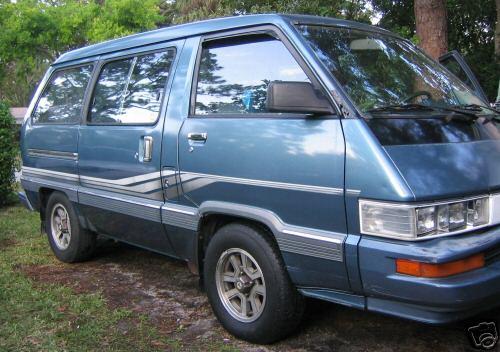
(458, 215)
(410, 222)
(387, 219)
(478, 212)
(426, 220)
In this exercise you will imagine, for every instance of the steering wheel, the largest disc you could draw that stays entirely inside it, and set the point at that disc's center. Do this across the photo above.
(417, 94)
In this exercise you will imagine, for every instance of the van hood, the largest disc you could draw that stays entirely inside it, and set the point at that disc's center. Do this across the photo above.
(437, 171)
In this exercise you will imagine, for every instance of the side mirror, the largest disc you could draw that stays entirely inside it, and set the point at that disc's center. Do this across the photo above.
(297, 97)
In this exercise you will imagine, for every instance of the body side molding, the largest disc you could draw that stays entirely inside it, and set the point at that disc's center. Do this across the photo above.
(180, 216)
(138, 207)
(46, 153)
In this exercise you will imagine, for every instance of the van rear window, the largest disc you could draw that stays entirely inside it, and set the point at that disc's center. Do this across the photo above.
(62, 98)
(130, 91)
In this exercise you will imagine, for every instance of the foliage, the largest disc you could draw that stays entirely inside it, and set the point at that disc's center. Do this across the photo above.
(182, 11)
(8, 153)
(471, 31)
(34, 33)
(117, 18)
(397, 16)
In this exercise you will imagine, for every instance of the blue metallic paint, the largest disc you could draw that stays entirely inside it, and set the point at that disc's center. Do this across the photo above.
(311, 151)
(436, 171)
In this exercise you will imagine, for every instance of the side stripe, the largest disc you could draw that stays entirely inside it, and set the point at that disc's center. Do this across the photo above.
(204, 179)
(48, 173)
(152, 181)
(122, 181)
(139, 188)
(103, 181)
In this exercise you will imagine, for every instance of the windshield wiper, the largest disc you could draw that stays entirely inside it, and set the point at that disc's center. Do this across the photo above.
(401, 107)
(422, 107)
(476, 107)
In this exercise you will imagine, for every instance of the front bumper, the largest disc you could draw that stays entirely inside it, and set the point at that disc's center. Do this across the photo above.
(439, 300)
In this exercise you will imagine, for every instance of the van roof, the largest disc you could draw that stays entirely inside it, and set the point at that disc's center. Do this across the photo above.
(203, 27)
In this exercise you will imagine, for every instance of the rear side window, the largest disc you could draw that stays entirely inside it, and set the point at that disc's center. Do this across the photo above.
(62, 98)
(130, 91)
(234, 74)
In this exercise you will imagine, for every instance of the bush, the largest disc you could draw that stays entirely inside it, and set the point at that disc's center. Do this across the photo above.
(8, 153)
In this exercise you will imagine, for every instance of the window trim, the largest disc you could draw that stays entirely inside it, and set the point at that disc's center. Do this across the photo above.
(84, 97)
(272, 31)
(98, 71)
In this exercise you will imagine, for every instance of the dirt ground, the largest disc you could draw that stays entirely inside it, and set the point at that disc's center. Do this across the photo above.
(166, 292)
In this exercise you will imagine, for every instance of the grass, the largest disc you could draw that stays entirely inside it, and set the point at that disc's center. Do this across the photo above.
(48, 317)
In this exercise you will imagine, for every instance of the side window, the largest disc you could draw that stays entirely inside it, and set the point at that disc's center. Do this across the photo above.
(454, 67)
(109, 91)
(62, 98)
(234, 74)
(130, 91)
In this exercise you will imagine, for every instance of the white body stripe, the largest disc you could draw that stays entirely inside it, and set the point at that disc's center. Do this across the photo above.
(122, 181)
(44, 172)
(205, 179)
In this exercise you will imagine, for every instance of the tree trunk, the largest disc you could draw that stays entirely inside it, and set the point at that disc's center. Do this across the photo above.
(497, 33)
(431, 24)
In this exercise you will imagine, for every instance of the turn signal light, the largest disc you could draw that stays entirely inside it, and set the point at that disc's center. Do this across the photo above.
(414, 268)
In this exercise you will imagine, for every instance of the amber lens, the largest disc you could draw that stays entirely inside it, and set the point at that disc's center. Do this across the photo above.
(414, 268)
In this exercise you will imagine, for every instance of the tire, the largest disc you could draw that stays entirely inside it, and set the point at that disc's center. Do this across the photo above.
(80, 244)
(272, 315)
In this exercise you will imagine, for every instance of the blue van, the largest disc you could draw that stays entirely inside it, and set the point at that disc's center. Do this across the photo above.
(281, 157)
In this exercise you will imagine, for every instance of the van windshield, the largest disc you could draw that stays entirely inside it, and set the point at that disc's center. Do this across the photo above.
(380, 71)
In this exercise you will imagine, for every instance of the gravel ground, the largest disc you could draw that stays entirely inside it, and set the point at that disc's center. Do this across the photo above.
(166, 292)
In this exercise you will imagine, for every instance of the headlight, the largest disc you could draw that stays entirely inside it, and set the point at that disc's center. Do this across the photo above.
(412, 222)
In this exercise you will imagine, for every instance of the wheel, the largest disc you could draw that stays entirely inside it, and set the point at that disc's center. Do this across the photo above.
(248, 286)
(68, 240)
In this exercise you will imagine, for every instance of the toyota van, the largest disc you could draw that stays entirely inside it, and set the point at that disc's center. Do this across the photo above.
(280, 157)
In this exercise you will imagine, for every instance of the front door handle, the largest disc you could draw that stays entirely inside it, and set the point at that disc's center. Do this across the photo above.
(197, 137)
(147, 149)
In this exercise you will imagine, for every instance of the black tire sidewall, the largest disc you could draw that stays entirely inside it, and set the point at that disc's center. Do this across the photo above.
(69, 254)
(266, 328)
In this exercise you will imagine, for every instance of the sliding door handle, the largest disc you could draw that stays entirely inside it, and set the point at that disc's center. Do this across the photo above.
(197, 137)
(147, 149)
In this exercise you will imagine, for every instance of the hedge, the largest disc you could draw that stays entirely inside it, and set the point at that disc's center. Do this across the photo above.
(8, 154)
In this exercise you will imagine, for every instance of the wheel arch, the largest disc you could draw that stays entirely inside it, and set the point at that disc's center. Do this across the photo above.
(44, 193)
(43, 196)
(213, 215)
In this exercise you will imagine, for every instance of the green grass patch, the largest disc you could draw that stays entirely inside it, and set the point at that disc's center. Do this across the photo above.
(45, 316)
